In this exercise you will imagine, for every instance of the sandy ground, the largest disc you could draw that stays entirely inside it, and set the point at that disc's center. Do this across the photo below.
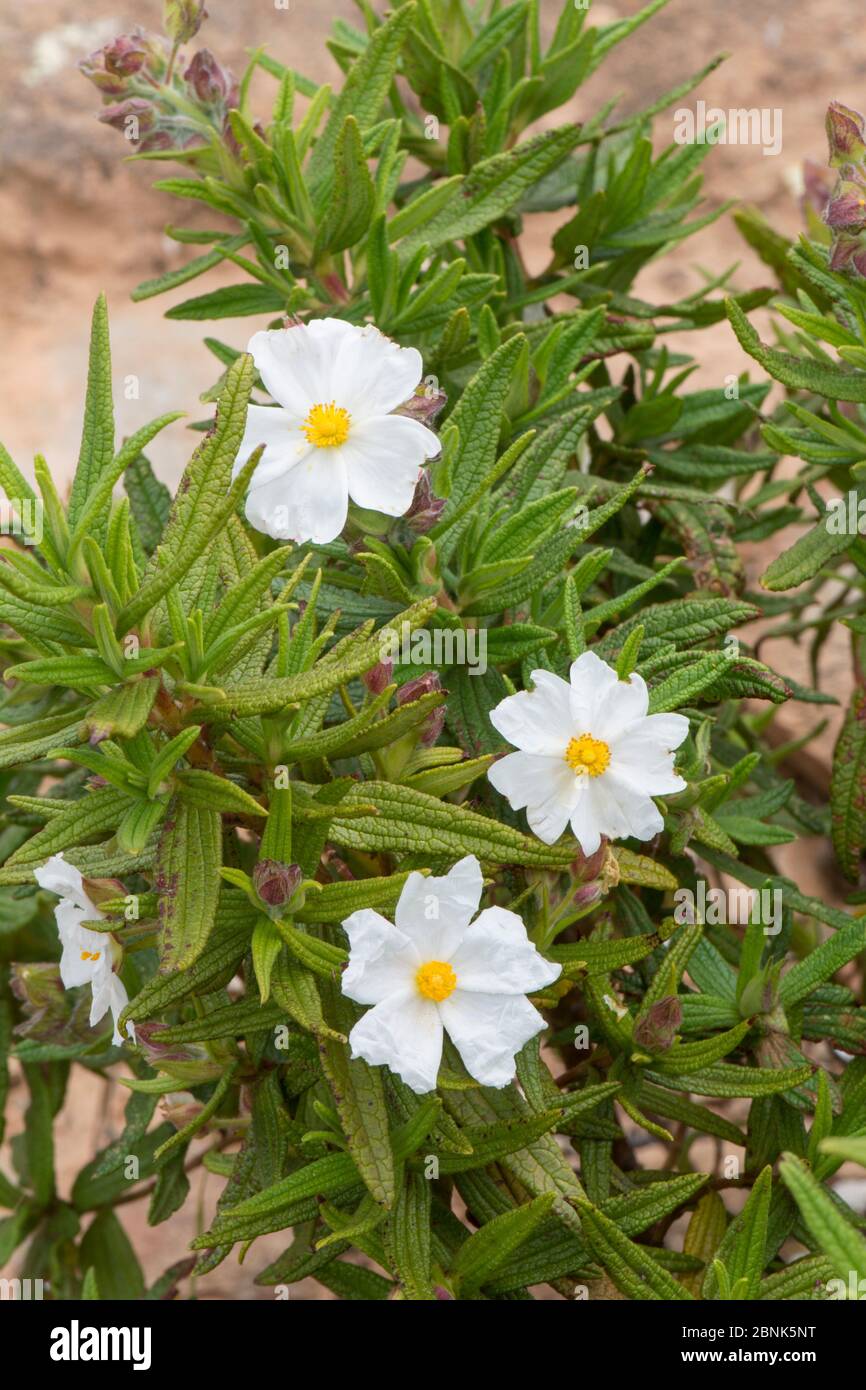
(75, 219)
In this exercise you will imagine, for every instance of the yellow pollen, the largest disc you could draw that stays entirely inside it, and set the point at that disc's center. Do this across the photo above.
(326, 426)
(587, 754)
(90, 955)
(436, 980)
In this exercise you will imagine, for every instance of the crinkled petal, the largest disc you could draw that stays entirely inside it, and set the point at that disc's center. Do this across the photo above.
(403, 1032)
(622, 708)
(383, 459)
(281, 435)
(382, 959)
(497, 957)
(488, 1031)
(297, 364)
(308, 502)
(540, 720)
(58, 876)
(84, 951)
(546, 786)
(435, 912)
(372, 374)
(623, 812)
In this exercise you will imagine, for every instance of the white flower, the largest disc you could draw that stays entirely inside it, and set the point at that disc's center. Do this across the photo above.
(589, 754)
(332, 435)
(433, 972)
(87, 956)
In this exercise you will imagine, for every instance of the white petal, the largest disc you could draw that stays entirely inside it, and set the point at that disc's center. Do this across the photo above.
(488, 1031)
(403, 1032)
(382, 960)
(80, 945)
(622, 708)
(497, 957)
(279, 431)
(622, 812)
(546, 786)
(373, 374)
(297, 364)
(109, 993)
(308, 502)
(643, 757)
(383, 457)
(584, 819)
(58, 876)
(539, 720)
(435, 912)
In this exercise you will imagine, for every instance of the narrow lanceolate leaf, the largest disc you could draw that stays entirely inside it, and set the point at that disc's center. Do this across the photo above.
(197, 787)
(848, 788)
(844, 1247)
(97, 439)
(630, 1266)
(206, 497)
(24, 742)
(483, 1254)
(86, 819)
(702, 1238)
(124, 710)
(493, 187)
(802, 373)
(363, 93)
(478, 417)
(743, 1246)
(822, 963)
(722, 1079)
(188, 882)
(360, 1100)
(409, 1239)
(411, 822)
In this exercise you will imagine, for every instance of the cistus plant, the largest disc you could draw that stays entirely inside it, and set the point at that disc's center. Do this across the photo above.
(382, 785)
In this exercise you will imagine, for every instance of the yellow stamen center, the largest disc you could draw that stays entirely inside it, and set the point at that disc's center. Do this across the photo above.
(90, 955)
(436, 980)
(326, 426)
(587, 754)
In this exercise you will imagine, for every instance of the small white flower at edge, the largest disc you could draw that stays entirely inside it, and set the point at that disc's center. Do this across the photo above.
(434, 973)
(332, 434)
(87, 956)
(589, 754)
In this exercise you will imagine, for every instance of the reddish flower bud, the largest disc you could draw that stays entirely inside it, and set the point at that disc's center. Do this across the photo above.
(211, 83)
(424, 405)
(379, 677)
(847, 207)
(426, 509)
(134, 118)
(845, 134)
(657, 1029)
(413, 690)
(127, 54)
(276, 883)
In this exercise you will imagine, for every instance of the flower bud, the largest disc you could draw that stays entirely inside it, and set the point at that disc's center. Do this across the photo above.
(413, 690)
(276, 883)
(379, 677)
(182, 19)
(127, 54)
(847, 206)
(426, 509)
(424, 405)
(133, 118)
(845, 134)
(211, 83)
(658, 1027)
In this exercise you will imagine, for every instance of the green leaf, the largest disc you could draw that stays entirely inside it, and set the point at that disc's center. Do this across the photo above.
(359, 1096)
(848, 788)
(106, 1250)
(409, 1238)
(231, 302)
(630, 1266)
(350, 207)
(484, 1253)
(844, 1247)
(188, 882)
(742, 1249)
(97, 440)
(801, 373)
